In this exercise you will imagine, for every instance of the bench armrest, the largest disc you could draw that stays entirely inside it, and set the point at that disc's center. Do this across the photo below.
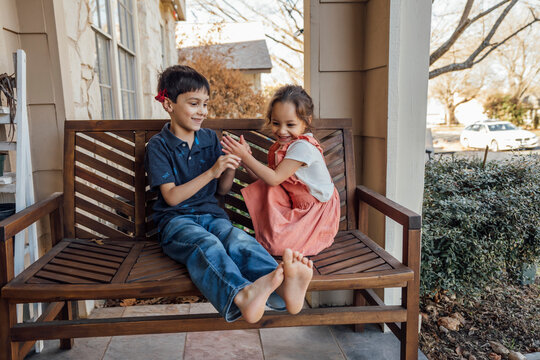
(393, 210)
(12, 225)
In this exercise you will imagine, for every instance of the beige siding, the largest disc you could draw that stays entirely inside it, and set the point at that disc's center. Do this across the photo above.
(347, 76)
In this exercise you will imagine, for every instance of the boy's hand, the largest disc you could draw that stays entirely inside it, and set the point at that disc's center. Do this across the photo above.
(231, 146)
(224, 162)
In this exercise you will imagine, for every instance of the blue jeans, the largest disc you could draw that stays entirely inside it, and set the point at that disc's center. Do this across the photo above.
(221, 259)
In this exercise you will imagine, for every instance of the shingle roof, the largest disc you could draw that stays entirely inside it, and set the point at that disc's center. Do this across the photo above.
(245, 55)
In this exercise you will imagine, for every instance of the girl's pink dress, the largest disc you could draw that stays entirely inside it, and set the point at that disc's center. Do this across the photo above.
(287, 215)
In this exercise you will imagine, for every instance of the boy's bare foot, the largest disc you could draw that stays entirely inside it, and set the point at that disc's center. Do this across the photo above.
(298, 272)
(251, 300)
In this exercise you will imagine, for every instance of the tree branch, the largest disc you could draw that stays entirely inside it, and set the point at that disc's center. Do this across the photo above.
(463, 24)
(471, 60)
(284, 44)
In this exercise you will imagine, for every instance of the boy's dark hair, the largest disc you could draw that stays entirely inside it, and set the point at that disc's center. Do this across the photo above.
(180, 79)
(297, 96)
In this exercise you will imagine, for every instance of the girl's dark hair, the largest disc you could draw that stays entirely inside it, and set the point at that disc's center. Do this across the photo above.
(297, 96)
(180, 79)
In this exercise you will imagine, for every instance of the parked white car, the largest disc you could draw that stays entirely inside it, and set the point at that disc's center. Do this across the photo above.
(498, 135)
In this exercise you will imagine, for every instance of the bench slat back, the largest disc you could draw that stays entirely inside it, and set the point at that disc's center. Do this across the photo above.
(106, 190)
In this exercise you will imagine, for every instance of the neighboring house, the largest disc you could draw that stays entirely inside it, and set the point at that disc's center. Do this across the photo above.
(251, 58)
(86, 59)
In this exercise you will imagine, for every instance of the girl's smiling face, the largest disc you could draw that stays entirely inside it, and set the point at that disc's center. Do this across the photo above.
(285, 124)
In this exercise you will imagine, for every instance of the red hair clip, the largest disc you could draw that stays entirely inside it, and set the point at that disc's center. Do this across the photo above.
(161, 95)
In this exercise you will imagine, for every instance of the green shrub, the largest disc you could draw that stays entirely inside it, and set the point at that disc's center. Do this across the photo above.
(478, 222)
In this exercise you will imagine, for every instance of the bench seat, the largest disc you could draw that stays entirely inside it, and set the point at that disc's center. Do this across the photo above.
(110, 268)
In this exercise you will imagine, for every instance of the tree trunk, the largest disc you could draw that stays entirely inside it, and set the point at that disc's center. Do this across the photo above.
(450, 115)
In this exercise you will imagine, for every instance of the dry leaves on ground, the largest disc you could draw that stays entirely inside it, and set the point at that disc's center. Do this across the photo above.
(504, 314)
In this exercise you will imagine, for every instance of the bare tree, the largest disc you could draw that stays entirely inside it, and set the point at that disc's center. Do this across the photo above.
(456, 88)
(521, 60)
(283, 21)
(490, 19)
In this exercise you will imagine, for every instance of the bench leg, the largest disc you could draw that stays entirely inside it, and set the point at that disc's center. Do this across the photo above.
(359, 300)
(66, 314)
(8, 317)
(409, 329)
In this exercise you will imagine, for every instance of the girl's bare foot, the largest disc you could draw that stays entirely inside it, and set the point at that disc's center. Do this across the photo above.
(251, 300)
(298, 273)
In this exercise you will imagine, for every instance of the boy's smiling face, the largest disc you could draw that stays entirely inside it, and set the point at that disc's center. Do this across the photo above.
(188, 113)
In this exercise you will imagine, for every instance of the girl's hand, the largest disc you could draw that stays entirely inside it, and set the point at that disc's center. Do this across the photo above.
(231, 146)
(244, 142)
(224, 162)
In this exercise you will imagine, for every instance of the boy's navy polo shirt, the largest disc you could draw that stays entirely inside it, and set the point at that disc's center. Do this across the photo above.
(170, 160)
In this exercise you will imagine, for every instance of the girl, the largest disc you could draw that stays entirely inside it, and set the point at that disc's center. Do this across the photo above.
(294, 204)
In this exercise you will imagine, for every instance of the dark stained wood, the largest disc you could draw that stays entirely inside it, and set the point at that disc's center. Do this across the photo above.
(83, 266)
(239, 219)
(104, 183)
(235, 202)
(334, 157)
(351, 178)
(390, 208)
(127, 264)
(99, 196)
(49, 313)
(57, 230)
(63, 278)
(104, 152)
(92, 255)
(105, 266)
(203, 322)
(329, 143)
(345, 264)
(100, 212)
(112, 142)
(69, 182)
(83, 234)
(58, 269)
(101, 228)
(140, 211)
(254, 138)
(104, 168)
(128, 135)
(66, 314)
(14, 224)
(97, 249)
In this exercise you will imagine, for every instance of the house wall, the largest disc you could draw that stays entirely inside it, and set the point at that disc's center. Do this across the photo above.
(347, 72)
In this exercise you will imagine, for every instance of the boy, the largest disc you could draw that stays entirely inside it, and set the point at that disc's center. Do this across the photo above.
(185, 162)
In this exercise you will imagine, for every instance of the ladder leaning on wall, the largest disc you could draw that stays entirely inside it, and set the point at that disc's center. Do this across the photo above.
(26, 243)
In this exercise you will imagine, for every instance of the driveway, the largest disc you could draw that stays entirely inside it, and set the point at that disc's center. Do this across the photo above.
(446, 143)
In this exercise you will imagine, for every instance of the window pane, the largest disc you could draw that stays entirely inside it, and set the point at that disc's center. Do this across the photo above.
(125, 24)
(102, 59)
(106, 103)
(126, 64)
(100, 14)
(103, 69)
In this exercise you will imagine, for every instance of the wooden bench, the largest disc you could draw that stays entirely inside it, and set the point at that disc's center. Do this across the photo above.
(106, 247)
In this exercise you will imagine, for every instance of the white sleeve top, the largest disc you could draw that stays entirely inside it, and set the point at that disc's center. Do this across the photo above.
(315, 173)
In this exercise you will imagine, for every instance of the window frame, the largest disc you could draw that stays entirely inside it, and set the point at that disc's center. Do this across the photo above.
(115, 47)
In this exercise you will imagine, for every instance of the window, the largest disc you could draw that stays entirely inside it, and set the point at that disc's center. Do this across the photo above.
(115, 57)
